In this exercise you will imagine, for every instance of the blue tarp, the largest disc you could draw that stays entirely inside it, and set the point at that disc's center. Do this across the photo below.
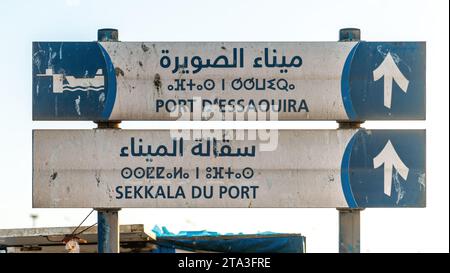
(264, 242)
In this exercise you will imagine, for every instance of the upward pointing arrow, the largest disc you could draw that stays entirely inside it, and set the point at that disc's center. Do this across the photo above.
(389, 70)
(389, 157)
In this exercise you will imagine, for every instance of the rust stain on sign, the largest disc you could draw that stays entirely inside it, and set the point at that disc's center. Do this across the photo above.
(119, 71)
(144, 48)
(53, 175)
(157, 83)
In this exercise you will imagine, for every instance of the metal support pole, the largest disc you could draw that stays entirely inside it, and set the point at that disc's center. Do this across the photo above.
(349, 230)
(108, 35)
(108, 230)
(349, 34)
(349, 219)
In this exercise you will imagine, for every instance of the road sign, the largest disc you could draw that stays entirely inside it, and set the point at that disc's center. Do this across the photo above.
(110, 168)
(344, 81)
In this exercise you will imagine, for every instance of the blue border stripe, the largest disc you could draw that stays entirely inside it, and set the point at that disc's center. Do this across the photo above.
(111, 86)
(345, 173)
(345, 84)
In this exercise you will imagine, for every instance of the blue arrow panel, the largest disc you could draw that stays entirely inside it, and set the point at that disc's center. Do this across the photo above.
(363, 95)
(363, 182)
(72, 80)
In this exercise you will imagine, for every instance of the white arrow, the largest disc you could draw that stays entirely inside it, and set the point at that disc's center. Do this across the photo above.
(389, 70)
(389, 157)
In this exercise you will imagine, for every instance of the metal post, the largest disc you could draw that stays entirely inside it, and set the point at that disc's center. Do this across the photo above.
(108, 35)
(349, 219)
(349, 34)
(108, 231)
(349, 230)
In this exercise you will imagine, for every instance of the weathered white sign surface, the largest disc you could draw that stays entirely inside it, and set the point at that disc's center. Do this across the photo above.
(113, 168)
(296, 80)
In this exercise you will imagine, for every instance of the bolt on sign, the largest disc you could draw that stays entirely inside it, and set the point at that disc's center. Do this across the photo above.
(354, 168)
(345, 81)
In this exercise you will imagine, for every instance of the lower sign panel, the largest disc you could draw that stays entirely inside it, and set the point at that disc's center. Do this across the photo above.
(113, 168)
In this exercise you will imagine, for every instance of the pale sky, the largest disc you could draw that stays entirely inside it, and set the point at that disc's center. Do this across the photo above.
(382, 230)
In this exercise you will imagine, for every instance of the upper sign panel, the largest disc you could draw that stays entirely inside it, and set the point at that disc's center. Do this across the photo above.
(104, 81)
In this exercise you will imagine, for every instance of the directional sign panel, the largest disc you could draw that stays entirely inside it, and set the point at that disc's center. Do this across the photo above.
(113, 168)
(104, 81)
